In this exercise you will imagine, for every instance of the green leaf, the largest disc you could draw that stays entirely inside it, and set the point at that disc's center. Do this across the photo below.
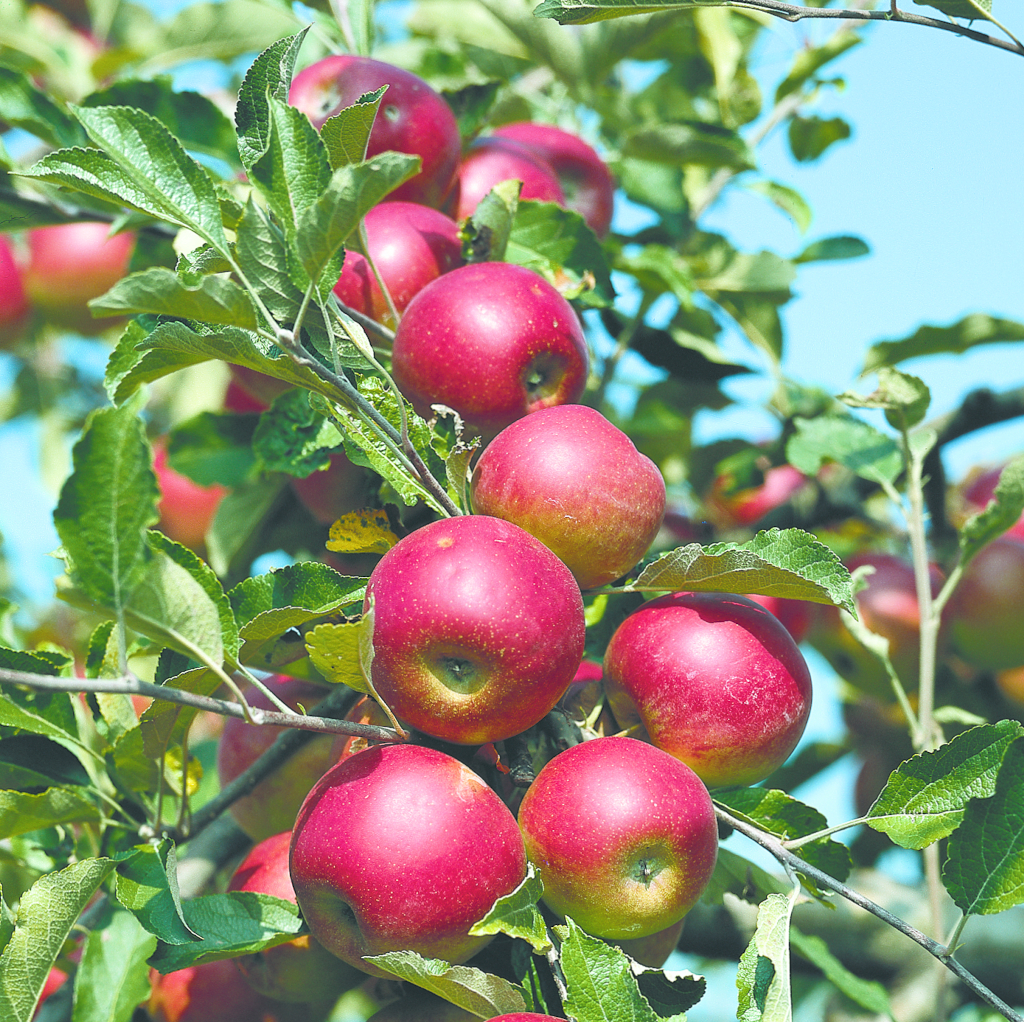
(763, 976)
(783, 815)
(21, 812)
(963, 335)
(346, 133)
(161, 291)
(6, 923)
(147, 885)
(969, 9)
(789, 200)
(34, 662)
(517, 915)
(779, 562)
(867, 993)
(197, 122)
(352, 191)
(479, 992)
(808, 60)
(558, 244)
(708, 145)
(839, 246)
(291, 437)
(601, 982)
(809, 137)
(293, 172)
(270, 75)
(584, 12)
(33, 762)
(854, 444)
(486, 231)
(984, 872)
(106, 505)
(13, 715)
(165, 724)
(232, 924)
(905, 398)
(659, 268)
(758, 318)
(926, 797)
(45, 916)
(1002, 511)
(739, 876)
(214, 448)
(334, 651)
(472, 106)
(112, 978)
(24, 106)
(752, 272)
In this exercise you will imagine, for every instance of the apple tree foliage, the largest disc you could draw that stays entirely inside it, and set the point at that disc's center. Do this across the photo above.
(242, 224)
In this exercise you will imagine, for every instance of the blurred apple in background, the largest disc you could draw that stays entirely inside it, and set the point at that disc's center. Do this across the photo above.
(575, 481)
(974, 494)
(715, 680)
(494, 341)
(732, 508)
(586, 183)
(271, 806)
(410, 245)
(401, 847)
(623, 836)
(70, 264)
(654, 949)
(186, 509)
(332, 492)
(421, 1006)
(258, 386)
(795, 615)
(491, 160)
(412, 118)
(14, 307)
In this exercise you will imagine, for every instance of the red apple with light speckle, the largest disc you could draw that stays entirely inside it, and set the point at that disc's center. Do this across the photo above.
(493, 160)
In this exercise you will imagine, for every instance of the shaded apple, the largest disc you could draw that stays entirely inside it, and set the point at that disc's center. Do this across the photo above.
(412, 118)
(478, 629)
(796, 615)
(714, 679)
(586, 183)
(576, 482)
(490, 161)
(654, 949)
(740, 508)
(976, 492)
(494, 341)
(421, 1006)
(14, 307)
(410, 245)
(271, 806)
(186, 509)
(399, 848)
(332, 492)
(622, 834)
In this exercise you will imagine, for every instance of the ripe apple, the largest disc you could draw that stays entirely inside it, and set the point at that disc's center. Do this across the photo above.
(400, 848)
(412, 118)
(588, 187)
(366, 710)
(186, 509)
(654, 949)
(333, 491)
(271, 806)
(14, 305)
(494, 341)
(622, 834)
(237, 399)
(410, 245)
(986, 611)
(493, 160)
(1011, 684)
(299, 970)
(70, 264)
(478, 629)
(260, 387)
(739, 508)
(977, 491)
(796, 615)
(569, 477)
(715, 680)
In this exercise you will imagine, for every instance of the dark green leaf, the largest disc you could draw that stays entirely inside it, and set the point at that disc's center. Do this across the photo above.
(809, 137)
(841, 246)
(809, 60)
(24, 106)
(1002, 511)
(213, 448)
(147, 885)
(346, 133)
(583, 12)
(695, 142)
(471, 105)
(293, 438)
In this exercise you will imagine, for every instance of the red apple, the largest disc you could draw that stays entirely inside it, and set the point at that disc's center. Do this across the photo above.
(14, 305)
(986, 611)
(653, 950)
(715, 679)
(588, 187)
(55, 979)
(70, 264)
(271, 806)
(796, 615)
(332, 492)
(260, 387)
(365, 711)
(736, 508)
(402, 848)
(186, 509)
(478, 629)
(493, 160)
(576, 482)
(977, 491)
(237, 399)
(410, 245)
(494, 341)
(299, 970)
(412, 118)
(622, 834)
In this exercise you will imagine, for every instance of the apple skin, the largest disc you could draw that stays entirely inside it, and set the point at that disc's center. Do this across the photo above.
(412, 118)
(411, 245)
(622, 834)
(14, 307)
(299, 970)
(977, 491)
(743, 508)
(576, 482)
(493, 160)
(271, 806)
(653, 950)
(796, 615)
(333, 491)
(70, 264)
(186, 509)
(494, 341)
(585, 180)
(478, 629)
(259, 387)
(399, 848)
(421, 1006)
(715, 679)
(986, 611)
